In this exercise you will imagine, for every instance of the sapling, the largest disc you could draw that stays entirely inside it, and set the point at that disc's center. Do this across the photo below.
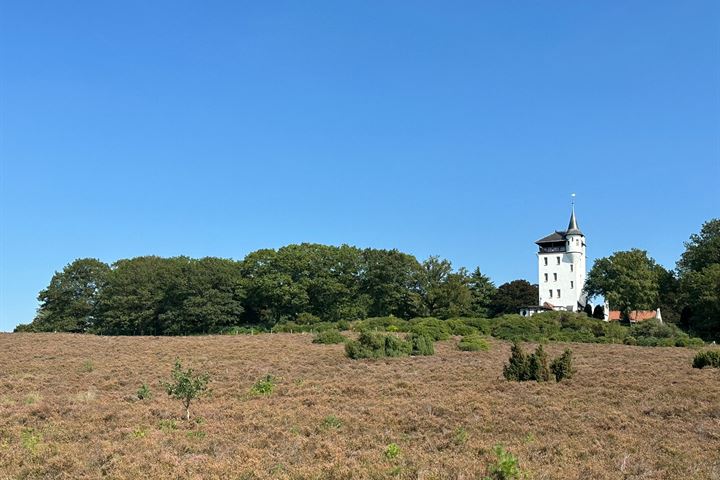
(186, 385)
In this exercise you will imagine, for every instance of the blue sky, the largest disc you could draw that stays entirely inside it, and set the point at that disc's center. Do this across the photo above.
(450, 128)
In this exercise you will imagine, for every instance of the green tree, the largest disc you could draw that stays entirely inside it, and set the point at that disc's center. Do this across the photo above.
(186, 385)
(511, 296)
(703, 249)
(628, 280)
(698, 294)
(69, 303)
(482, 290)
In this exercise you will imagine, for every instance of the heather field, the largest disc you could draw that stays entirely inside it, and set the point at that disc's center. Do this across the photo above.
(68, 409)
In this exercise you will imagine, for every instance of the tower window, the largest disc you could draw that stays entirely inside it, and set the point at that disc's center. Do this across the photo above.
(546, 261)
(555, 276)
(551, 293)
(546, 277)
(558, 293)
(572, 267)
(572, 284)
(558, 260)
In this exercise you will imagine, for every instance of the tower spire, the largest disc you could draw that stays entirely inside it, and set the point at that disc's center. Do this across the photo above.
(573, 226)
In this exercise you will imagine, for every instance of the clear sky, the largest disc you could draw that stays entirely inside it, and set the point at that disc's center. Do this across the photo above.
(457, 129)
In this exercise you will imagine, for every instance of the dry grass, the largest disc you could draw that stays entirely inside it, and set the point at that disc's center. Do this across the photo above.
(67, 410)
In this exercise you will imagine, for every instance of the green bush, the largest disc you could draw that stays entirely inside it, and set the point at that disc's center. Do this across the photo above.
(458, 326)
(264, 386)
(562, 366)
(517, 368)
(396, 346)
(422, 345)
(473, 343)
(328, 337)
(144, 392)
(430, 327)
(522, 367)
(709, 358)
(383, 324)
(538, 365)
(505, 467)
(378, 345)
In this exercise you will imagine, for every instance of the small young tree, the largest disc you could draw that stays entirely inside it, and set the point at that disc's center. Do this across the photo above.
(186, 385)
(517, 367)
(538, 365)
(562, 366)
(588, 310)
(599, 312)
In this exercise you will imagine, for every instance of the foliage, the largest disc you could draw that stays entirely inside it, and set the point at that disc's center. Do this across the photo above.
(473, 343)
(517, 368)
(186, 385)
(700, 294)
(69, 303)
(522, 367)
(702, 250)
(422, 345)
(505, 467)
(331, 421)
(628, 280)
(709, 358)
(562, 366)
(329, 337)
(430, 327)
(598, 312)
(392, 451)
(378, 345)
(264, 386)
(538, 368)
(144, 392)
(509, 297)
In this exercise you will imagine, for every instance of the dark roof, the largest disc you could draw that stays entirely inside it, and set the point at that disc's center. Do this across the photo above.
(554, 237)
(573, 226)
(559, 235)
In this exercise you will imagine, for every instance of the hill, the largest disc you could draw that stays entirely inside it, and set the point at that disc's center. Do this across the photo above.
(69, 410)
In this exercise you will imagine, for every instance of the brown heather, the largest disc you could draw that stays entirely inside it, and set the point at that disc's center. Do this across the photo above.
(629, 412)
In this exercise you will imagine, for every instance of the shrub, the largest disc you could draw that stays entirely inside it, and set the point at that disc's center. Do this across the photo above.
(517, 368)
(459, 327)
(422, 345)
(538, 365)
(331, 421)
(382, 324)
(328, 337)
(473, 343)
(144, 392)
(377, 345)
(306, 318)
(562, 366)
(522, 367)
(709, 358)
(264, 386)
(505, 467)
(186, 385)
(392, 451)
(430, 327)
(397, 347)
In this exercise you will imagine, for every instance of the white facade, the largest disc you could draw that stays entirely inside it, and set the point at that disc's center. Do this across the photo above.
(561, 268)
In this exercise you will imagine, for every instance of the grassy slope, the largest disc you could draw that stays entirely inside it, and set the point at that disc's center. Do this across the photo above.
(641, 412)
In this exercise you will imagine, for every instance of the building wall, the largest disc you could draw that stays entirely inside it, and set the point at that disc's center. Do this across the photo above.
(568, 275)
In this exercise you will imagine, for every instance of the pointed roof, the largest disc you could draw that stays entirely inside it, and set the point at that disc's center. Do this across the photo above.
(573, 226)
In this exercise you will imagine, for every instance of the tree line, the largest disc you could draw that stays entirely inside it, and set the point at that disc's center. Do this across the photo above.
(688, 296)
(304, 283)
(312, 283)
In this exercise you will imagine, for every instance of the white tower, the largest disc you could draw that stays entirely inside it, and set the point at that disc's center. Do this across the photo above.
(561, 268)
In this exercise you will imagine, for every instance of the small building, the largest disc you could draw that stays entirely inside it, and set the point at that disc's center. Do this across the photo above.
(636, 316)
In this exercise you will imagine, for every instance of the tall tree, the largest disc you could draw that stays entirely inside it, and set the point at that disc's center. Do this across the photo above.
(628, 280)
(511, 296)
(482, 290)
(69, 303)
(699, 282)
